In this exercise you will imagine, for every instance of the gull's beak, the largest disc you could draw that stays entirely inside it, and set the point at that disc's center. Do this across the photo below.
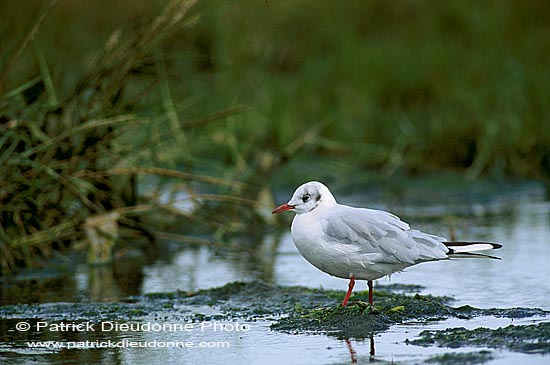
(283, 208)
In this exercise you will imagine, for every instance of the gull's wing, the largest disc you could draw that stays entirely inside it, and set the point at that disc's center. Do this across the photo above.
(380, 235)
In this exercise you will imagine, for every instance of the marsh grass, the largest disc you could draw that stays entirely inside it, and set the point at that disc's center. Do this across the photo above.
(96, 96)
(66, 160)
(410, 86)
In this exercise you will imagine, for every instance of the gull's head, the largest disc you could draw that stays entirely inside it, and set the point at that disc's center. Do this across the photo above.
(308, 197)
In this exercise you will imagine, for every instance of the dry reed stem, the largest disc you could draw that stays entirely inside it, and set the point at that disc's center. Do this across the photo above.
(28, 38)
(57, 232)
(170, 173)
(92, 124)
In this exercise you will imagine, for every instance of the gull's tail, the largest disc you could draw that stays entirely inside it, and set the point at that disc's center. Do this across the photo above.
(467, 249)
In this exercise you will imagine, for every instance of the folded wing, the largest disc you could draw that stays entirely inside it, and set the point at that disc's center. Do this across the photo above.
(381, 235)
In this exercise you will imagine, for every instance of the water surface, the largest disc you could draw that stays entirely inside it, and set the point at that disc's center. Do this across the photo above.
(518, 218)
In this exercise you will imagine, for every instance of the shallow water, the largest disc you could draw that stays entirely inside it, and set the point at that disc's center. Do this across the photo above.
(520, 279)
(519, 220)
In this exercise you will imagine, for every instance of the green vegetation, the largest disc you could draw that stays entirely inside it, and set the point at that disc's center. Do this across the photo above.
(304, 310)
(413, 85)
(534, 338)
(96, 97)
(69, 158)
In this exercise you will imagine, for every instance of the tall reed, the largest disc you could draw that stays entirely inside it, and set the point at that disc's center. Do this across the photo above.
(64, 161)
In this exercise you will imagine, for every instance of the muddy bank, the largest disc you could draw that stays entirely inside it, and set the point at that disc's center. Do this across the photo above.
(531, 339)
(359, 319)
(304, 310)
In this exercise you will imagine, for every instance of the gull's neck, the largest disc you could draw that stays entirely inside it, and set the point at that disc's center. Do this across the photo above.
(327, 202)
(327, 199)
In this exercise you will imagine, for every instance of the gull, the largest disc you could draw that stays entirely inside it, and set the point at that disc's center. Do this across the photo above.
(360, 243)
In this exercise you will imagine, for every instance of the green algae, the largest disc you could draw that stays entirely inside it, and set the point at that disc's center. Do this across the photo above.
(360, 319)
(293, 308)
(303, 310)
(468, 358)
(534, 338)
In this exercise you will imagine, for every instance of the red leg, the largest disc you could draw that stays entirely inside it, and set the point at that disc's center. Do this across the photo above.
(350, 289)
(369, 283)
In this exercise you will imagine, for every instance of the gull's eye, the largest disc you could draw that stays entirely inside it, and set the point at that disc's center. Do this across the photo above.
(305, 197)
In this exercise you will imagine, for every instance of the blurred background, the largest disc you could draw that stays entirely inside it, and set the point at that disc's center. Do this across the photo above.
(134, 122)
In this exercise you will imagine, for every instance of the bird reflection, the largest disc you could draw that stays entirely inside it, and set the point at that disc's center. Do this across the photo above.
(353, 353)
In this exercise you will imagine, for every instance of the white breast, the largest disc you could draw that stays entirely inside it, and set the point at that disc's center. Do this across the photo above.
(337, 259)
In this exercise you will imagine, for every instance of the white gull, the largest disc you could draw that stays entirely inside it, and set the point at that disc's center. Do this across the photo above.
(364, 244)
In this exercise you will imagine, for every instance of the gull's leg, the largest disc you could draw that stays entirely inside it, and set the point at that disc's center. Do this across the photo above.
(369, 283)
(350, 289)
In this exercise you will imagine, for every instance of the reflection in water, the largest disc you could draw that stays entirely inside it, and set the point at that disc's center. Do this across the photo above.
(353, 353)
(523, 226)
(197, 268)
(102, 285)
(99, 283)
(371, 347)
(523, 222)
(38, 289)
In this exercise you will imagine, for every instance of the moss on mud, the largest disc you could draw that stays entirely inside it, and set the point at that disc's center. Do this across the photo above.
(533, 338)
(304, 310)
(360, 319)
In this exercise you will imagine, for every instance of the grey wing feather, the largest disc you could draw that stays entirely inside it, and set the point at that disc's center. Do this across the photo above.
(378, 232)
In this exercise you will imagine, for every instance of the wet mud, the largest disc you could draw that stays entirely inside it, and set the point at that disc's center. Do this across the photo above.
(530, 339)
(303, 310)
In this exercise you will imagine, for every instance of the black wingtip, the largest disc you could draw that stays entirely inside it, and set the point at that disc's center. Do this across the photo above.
(462, 249)
(495, 246)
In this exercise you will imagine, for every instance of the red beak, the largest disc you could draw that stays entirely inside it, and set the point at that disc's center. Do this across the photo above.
(283, 208)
